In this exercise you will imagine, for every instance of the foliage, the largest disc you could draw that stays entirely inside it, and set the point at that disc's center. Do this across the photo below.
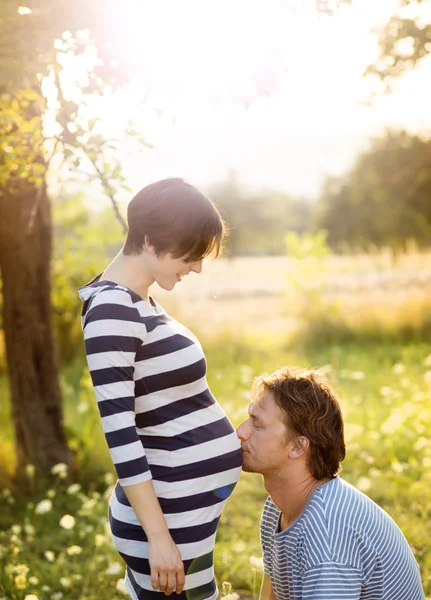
(86, 240)
(258, 221)
(307, 275)
(384, 390)
(404, 42)
(44, 112)
(385, 199)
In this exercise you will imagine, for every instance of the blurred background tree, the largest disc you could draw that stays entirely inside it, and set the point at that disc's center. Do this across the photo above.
(385, 199)
(37, 124)
(258, 220)
(404, 42)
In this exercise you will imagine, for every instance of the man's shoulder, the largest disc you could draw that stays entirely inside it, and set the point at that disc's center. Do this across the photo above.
(340, 498)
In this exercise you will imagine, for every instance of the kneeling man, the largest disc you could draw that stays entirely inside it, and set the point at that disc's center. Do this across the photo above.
(322, 539)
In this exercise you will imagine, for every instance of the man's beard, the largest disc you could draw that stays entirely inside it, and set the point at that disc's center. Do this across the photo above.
(247, 468)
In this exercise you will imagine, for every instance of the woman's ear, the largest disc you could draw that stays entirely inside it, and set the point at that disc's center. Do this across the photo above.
(300, 446)
(148, 246)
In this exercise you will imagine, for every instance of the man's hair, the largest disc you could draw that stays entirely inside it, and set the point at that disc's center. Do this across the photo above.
(310, 409)
(176, 218)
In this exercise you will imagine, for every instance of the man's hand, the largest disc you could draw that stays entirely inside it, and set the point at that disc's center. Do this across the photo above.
(167, 568)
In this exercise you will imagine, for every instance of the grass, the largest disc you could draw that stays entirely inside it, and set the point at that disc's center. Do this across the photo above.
(385, 392)
(362, 321)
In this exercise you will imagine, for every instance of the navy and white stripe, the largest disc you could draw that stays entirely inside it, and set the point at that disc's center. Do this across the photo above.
(342, 547)
(161, 422)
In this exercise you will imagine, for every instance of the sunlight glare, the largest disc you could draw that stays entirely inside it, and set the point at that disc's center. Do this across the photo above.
(218, 50)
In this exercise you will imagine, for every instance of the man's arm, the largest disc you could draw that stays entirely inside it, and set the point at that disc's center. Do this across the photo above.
(267, 591)
(332, 580)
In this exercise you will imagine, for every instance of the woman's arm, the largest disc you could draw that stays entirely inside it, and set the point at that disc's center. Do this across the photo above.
(113, 331)
(167, 568)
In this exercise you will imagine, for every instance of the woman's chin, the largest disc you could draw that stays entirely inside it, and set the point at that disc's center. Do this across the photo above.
(166, 285)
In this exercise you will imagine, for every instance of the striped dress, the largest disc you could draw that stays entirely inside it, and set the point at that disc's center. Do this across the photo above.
(161, 422)
(342, 547)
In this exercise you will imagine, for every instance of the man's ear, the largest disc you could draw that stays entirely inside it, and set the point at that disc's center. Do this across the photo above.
(148, 246)
(299, 447)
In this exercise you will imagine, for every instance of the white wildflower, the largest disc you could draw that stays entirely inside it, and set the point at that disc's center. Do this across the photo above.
(49, 555)
(374, 473)
(21, 581)
(363, 484)
(67, 522)
(421, 443)
(239, 547)
(73, 489)
(256, 562)
(82, 407)
(29, 529)
(43, 507)
(121, 586)
(60, 469)
(16, 529)
(385, 390)
(114, 568)
(73, 550)
(99, 540)
(33, 580)
(31, 597)
(89, 504)
(57, 596)
(65, 582)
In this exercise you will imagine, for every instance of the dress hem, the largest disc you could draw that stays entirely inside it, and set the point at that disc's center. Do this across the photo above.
(132, 593)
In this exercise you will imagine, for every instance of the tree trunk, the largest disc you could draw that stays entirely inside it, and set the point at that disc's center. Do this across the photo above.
(25, 264)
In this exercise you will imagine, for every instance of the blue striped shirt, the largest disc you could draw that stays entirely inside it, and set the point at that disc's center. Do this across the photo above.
(342, 547)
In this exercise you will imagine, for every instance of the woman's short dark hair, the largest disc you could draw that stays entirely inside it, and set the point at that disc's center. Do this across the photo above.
(176, 218)
(310, 409)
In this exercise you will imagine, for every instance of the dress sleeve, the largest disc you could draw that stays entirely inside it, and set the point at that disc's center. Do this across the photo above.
(332, 581)
(113, 332)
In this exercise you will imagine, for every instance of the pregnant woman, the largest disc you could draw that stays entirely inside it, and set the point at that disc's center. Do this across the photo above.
(175, 451)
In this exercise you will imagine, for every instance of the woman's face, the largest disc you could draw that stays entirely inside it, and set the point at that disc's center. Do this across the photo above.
(167, 271)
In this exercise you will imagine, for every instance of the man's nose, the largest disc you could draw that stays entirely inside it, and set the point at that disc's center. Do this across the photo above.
(242, 430)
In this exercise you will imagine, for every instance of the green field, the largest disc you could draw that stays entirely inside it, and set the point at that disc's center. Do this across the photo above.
(385, 394)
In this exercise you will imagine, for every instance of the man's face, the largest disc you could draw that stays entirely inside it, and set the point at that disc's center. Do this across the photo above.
(263, 436)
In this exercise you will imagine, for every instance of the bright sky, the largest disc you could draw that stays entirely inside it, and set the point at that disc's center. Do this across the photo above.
(195, 55)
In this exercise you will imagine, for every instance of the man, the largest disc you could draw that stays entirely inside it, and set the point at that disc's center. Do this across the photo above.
(322, 539)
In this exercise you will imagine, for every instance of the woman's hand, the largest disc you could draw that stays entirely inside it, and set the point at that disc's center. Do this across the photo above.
(167, 567)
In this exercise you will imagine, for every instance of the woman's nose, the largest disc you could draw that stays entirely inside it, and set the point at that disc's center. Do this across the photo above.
(197, 267)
